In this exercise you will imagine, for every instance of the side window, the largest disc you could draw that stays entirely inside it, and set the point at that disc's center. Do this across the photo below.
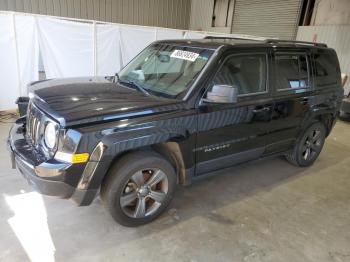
(245, 72)
(327, 70)
(292, 71)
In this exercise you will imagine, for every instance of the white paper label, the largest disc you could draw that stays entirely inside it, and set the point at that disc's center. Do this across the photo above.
(185, 55)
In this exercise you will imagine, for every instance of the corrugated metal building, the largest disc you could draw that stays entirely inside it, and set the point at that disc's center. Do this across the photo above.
(271, 18)
(162, 13)
(201, 14)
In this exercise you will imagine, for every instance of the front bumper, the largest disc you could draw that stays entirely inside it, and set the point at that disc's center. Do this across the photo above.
(48, 177)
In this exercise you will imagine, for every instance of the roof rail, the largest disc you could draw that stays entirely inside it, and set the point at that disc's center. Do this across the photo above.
(266, 40)
(295, 42)
(238, 37)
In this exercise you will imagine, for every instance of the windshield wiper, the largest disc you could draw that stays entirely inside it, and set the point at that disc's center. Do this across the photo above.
(134, 84)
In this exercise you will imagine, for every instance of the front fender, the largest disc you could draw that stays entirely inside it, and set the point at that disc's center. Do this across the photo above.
(133, 139)
(118, 143)
(118, 138)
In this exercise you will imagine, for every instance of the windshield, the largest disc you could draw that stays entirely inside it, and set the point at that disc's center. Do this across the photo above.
(165, 70)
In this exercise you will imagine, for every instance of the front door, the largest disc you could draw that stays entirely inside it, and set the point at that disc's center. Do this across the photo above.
(230, 133)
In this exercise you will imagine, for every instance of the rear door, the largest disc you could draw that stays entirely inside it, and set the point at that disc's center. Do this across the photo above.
(292, 92)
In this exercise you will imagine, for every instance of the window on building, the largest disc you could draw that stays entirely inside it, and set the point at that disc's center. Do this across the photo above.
(222, 13)
(307, 10)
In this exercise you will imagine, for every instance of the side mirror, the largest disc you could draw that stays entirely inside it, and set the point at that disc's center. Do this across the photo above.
(222, 94)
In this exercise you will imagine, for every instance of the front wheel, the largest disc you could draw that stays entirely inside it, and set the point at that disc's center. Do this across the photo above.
(308, 146)
(138, 188)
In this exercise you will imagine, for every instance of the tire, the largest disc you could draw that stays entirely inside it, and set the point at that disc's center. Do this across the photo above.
(131, 192)
(308, 146)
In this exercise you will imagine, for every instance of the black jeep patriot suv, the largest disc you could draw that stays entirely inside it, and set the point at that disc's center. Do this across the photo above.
(179, 110)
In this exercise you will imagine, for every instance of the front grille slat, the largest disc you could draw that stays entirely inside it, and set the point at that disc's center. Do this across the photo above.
(37, 134)
(31, 125)
(33, 128)
(34, 122)
(29, 120)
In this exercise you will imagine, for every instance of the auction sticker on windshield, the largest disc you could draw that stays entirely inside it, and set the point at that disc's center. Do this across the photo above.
(186, 55)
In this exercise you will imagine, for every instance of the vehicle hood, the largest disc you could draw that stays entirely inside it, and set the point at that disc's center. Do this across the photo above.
(90, 100)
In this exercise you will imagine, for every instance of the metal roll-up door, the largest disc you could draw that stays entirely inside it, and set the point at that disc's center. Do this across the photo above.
(270, 18)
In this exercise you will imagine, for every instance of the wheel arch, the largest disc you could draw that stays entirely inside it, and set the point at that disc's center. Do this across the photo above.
(172, 152)
(326, 116)
(163, 143)
(168, 149)
(328, 119)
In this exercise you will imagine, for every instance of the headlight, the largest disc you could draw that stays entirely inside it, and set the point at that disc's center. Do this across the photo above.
(50, 136)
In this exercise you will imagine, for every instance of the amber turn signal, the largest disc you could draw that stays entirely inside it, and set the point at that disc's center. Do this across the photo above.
(72, 158)
(80, 158)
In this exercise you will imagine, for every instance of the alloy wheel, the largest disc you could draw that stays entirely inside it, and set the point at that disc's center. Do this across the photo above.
(312, 144)
(144, 193)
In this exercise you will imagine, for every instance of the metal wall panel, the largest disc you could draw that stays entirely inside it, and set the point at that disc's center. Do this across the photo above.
(335, 36)
(201, 14)
(269, 18)
(162, 13)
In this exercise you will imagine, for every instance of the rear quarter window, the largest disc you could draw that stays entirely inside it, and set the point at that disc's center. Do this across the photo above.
(327, 71)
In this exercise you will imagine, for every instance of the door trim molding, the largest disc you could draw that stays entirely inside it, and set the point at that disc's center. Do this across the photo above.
(228, 160)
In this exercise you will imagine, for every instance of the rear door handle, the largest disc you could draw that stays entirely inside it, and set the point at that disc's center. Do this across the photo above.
(333, 98)
(260, 110)
(303, 100)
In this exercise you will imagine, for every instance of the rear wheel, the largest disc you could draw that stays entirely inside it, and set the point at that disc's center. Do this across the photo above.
(139, 188)
(308, 146)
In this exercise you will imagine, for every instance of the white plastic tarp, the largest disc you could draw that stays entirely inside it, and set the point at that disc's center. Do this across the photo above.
(66, 47)
(108, 54)
(8, 67)
(194, 35)
(17, 37)
(73, 49)
(163, 33)
(28, 51)
(134, 39)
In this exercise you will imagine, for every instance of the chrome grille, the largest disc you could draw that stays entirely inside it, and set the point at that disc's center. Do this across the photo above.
(34, 125)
